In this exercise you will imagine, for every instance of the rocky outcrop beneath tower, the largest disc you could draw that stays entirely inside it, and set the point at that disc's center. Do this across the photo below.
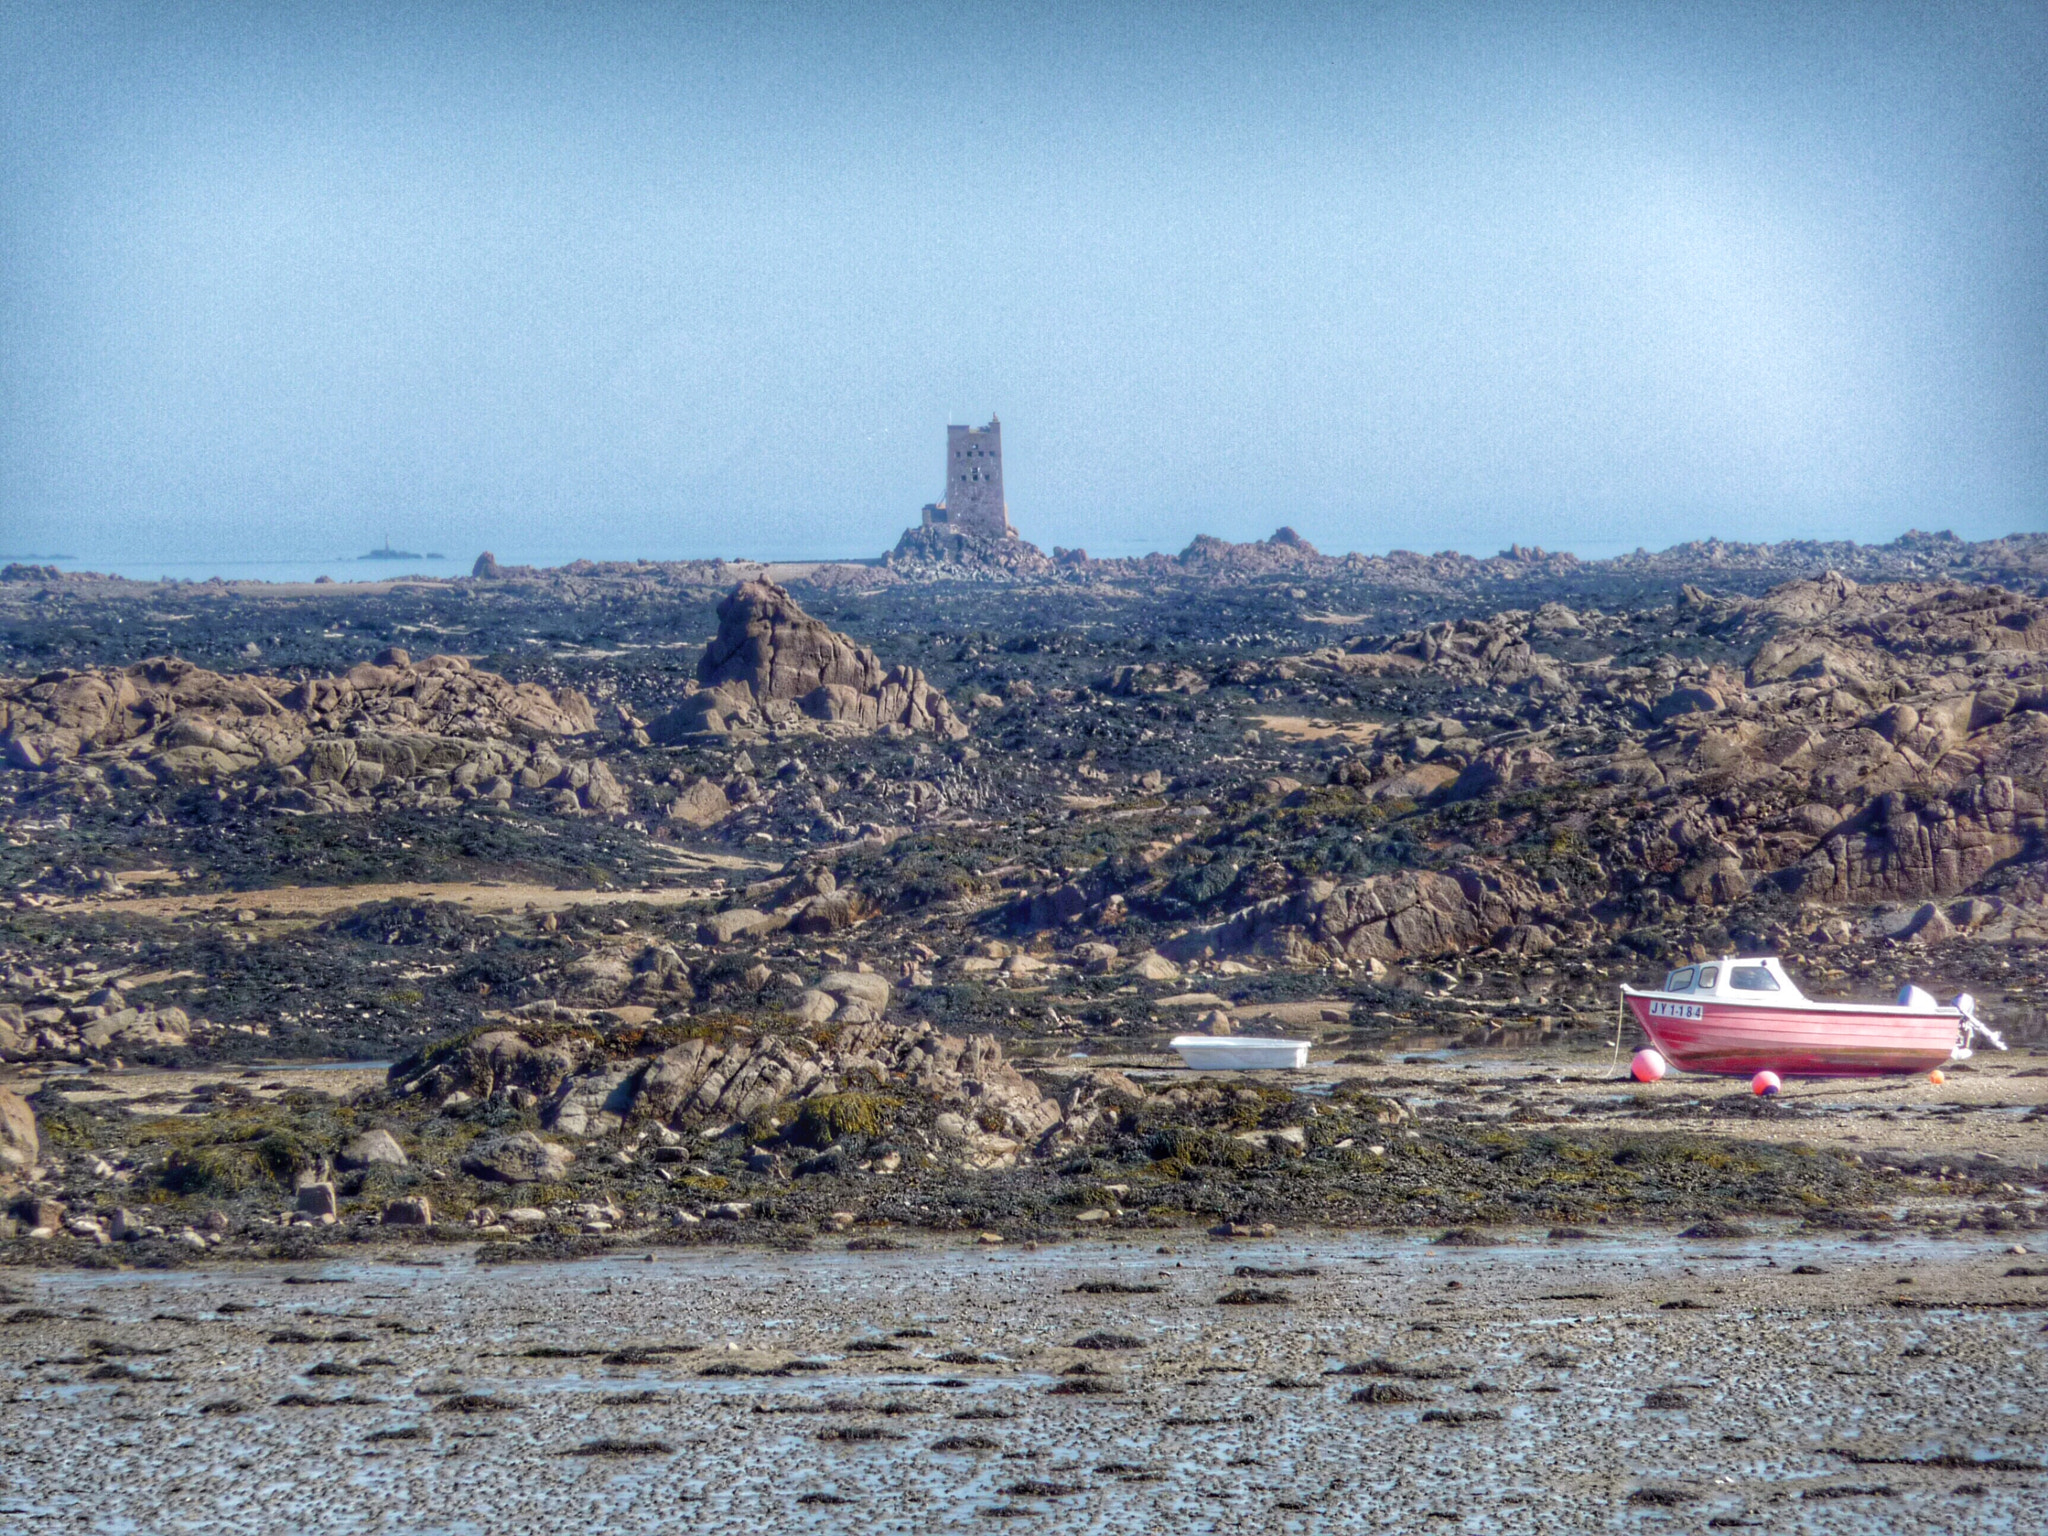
(952, 553)
(773, 665)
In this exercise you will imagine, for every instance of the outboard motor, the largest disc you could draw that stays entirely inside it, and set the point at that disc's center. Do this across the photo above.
(1972, 1026)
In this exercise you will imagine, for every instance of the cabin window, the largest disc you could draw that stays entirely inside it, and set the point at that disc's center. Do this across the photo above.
(1710, 976)
(1752, 978)
(1678, 981)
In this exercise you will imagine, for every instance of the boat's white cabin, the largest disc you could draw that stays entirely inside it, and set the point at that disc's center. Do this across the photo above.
(1749, 979)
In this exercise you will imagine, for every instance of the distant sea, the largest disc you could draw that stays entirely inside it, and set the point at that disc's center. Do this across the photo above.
(348, 568)
(343, 568)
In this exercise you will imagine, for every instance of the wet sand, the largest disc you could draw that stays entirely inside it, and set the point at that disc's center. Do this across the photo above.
(1631, 1381)
(1995, 1107)
(300, 903)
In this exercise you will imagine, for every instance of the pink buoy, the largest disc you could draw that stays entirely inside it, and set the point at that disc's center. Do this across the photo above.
(1765, 1084)
(1647, 1067)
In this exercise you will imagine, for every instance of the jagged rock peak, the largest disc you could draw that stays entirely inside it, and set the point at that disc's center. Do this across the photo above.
(773, 665)
(767, 644)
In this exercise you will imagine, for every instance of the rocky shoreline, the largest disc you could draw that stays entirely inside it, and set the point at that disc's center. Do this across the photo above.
(560, 1142)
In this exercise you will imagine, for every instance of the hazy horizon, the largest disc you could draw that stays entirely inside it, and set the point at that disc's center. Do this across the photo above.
(356, 566)
(627, 281)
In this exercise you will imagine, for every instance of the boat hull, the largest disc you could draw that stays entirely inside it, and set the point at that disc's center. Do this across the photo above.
(1240, 1053)
(1741, 1039)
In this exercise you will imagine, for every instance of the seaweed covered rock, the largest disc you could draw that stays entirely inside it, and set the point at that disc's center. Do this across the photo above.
(520, 1158)
(111, 1026)
(773, 664)
(590, 1085)
(520, 1066)
(1407, 915)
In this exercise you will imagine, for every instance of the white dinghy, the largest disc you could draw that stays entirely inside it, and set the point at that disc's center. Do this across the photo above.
(1239, 1053)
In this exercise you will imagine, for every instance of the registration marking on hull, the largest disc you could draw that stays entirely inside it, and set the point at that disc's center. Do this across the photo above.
(1677, 1011)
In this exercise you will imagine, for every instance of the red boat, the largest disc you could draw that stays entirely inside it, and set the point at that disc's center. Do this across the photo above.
(1743, 1016)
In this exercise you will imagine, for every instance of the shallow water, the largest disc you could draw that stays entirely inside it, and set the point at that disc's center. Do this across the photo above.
(1774, 1370)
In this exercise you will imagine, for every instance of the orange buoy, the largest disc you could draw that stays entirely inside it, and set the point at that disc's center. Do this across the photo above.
(1936, 1078)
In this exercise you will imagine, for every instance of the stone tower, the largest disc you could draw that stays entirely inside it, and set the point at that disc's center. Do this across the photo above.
(974, 484)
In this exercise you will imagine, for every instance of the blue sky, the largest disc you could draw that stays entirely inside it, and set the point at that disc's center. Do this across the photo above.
(675, 280)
